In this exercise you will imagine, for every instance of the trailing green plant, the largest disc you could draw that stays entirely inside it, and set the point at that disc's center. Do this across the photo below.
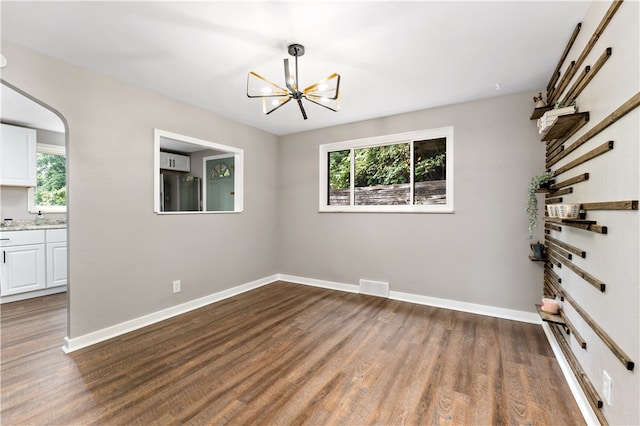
(532, 200)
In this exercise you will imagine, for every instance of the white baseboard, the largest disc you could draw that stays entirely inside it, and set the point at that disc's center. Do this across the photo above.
(473, 308)
(455, 305)
(331, 285)
(98, 336)
(73, 344)
(574, 386)
(32, 294)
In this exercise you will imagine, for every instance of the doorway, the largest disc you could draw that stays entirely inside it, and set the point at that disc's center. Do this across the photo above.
(52, 166)
(219, 191)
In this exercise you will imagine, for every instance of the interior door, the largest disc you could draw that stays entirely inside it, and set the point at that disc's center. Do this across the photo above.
(220, 184)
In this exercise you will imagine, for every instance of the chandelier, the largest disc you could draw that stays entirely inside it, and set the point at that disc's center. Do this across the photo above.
(324, 93)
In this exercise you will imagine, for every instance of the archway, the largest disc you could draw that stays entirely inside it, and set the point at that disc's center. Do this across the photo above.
(20, 109)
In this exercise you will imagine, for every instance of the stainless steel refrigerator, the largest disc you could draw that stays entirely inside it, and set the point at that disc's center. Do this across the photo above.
(179, 193)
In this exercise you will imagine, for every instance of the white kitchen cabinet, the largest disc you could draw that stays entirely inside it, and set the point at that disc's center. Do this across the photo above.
(17, 156)
(23, 262)
(177, 162)
(56, 246)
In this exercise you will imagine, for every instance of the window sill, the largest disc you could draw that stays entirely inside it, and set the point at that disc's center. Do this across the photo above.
(198, 212)
(387, 209)
(48, 209)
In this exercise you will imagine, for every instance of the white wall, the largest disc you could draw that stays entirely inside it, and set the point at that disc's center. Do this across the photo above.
(477, 254)
(615, 176)
(123, 257)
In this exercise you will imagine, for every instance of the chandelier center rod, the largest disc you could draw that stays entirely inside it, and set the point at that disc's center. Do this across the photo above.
(296, 50)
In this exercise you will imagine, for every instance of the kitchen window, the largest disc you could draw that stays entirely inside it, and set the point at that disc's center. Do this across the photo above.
(408, 172)
(50, 193)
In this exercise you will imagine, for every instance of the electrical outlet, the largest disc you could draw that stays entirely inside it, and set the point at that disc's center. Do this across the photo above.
(607, 386)
(176, 286)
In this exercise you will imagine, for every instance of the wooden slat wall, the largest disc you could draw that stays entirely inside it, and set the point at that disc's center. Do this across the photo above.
(572, 328)
(580, 178)
(620, 112)
(568, 86)
(568, 247)
(556, 73)
(615, 5)
(585, 79)
(625, 359)
(592, 395)
(612, 205)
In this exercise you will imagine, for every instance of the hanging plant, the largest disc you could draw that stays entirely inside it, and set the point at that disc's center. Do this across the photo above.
(532, 200)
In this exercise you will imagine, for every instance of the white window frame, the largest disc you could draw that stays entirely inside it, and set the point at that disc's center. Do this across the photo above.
(325, 149)
(44, 148)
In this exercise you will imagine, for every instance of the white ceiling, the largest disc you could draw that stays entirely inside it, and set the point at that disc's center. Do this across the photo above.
(15, 108)
(393, 57)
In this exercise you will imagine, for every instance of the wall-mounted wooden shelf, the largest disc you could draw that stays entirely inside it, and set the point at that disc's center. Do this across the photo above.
(565, 125)
(545, 187)
(561, 319)
(587, 225)
(576, 220)
(539, 112)
(538, 259)
(553, 200)
(545, 316)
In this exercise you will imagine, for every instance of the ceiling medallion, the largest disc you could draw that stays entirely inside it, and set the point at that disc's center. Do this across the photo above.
(324, 93)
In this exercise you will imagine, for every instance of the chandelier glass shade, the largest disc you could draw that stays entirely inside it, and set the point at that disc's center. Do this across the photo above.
(325, 93)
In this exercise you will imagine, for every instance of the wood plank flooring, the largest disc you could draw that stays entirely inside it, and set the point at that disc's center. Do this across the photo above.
(284, 354)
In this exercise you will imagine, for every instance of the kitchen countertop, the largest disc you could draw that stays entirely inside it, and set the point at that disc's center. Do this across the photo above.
(29, 225)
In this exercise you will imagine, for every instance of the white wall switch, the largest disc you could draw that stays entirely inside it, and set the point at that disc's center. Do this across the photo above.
(607, 385)
(176, 286)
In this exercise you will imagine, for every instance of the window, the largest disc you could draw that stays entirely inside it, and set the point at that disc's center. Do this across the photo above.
(408, 172)
(50, 193)
(196, 176)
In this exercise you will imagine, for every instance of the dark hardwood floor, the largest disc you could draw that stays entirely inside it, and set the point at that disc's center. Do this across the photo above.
(284, 354)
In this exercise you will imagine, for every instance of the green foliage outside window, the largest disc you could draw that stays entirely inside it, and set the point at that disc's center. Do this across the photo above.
(430, 158)
(388, 164)
(51, 189)
(383, 165)
(339, 169)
